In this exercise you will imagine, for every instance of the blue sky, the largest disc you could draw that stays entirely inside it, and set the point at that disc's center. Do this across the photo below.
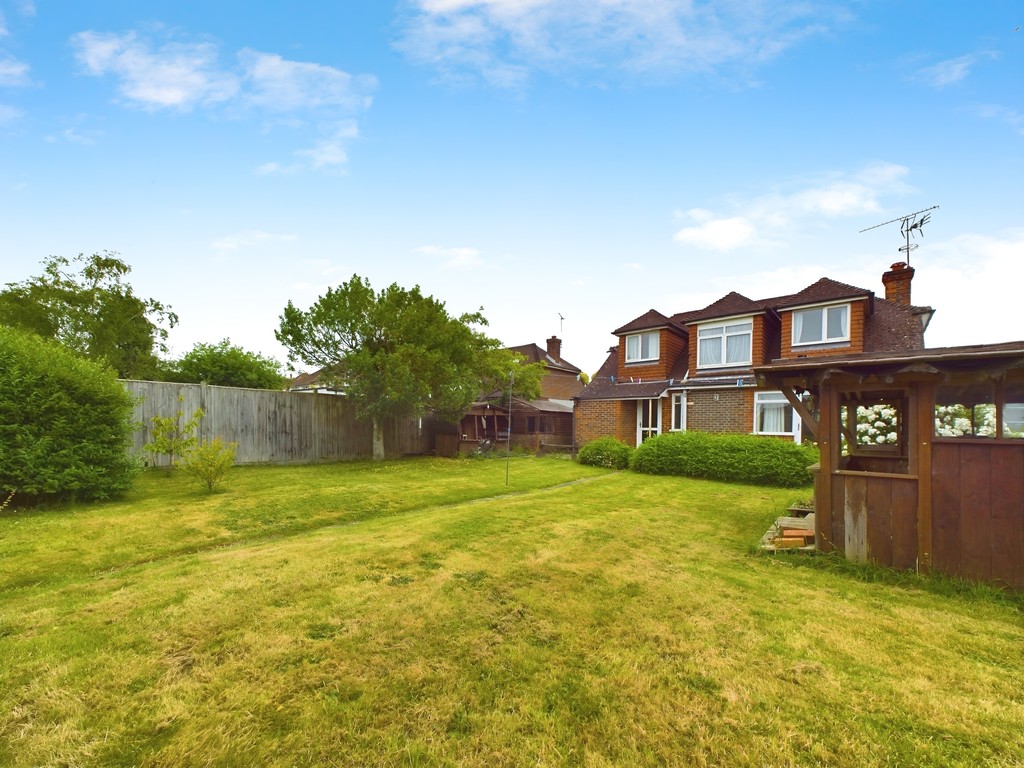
(542, 159)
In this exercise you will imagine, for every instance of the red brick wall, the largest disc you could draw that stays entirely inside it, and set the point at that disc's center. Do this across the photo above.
(858, 312)
(605, 418)
(558, 385)
(670, 346)
(733, 411)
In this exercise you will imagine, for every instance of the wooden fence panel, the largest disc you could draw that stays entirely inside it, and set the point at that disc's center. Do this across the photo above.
(273, 427)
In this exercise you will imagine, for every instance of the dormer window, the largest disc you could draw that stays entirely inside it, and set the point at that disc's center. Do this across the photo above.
(821, 325)
(642, 347)
(726, 344)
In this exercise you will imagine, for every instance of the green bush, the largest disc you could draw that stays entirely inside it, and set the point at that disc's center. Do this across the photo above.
(65, 423)
(732, 458)
(208, 463)
(605, 452)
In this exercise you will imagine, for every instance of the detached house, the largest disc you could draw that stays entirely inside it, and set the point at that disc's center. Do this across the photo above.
(694, 370)
(546, 421)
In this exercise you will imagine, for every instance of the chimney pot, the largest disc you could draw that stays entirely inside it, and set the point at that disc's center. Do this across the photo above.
(555, 347)
(897, 283)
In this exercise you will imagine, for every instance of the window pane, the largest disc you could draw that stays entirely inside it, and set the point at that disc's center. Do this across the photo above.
(837, 322)
(649, 347)
(965, 411)
(632, 347)
(1013, 411)
(809, 326)
(711, 351)
(738, 328)
(737, 349)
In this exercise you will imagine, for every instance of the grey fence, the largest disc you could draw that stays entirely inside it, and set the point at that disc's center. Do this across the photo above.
(274, 427)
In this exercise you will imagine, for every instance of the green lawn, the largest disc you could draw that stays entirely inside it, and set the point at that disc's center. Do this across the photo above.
(421, 613)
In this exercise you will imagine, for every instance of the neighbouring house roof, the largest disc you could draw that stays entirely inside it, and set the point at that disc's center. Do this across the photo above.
(535, 354)
(484, 408)
(311, 381)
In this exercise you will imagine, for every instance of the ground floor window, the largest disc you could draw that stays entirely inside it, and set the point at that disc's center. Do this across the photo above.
(679, 411)
(773, 415)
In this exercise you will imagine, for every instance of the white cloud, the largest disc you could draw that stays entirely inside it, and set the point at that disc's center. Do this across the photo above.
(174, 75)
(718, 234)
(757, 220)
(501, 41)
(302, 96)
(13, 73)
(1009, 116)
(329, 151)
(950, 71)
(9, 114)
(973, 283)
(453, 258)
(249, 237)
(277, 84)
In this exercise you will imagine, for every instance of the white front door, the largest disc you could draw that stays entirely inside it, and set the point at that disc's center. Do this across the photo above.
(648, 419)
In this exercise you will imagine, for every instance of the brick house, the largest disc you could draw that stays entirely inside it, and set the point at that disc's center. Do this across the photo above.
(548, 420)
(694, 370)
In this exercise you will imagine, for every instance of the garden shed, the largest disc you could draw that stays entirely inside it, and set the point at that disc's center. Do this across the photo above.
(921, 456)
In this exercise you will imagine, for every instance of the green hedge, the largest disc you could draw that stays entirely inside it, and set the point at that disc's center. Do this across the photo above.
(605, 452)
(65, 423)
(731, 458)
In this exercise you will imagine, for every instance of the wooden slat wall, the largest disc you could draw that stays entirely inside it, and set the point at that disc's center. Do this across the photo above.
(274, 427)
(978, 511)
(879, 520)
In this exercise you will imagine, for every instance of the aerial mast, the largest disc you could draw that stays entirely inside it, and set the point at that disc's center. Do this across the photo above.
(911, 224)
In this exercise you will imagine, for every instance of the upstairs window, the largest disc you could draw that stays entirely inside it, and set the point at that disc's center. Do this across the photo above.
(724, 345)
(821, 325)
(642, 347)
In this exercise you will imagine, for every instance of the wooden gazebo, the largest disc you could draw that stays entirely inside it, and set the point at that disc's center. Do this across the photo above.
(942, 484)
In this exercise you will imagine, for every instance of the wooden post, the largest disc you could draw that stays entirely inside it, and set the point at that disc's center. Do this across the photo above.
(925, 429)
(827, 436)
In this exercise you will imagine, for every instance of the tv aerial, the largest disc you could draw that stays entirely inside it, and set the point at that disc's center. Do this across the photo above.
(911, 224)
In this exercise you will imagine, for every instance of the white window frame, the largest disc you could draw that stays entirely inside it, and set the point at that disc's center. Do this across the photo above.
(645, 407)
(653, 347)
(774, 397)
(678, 412)
(823, 312)
(740, 326)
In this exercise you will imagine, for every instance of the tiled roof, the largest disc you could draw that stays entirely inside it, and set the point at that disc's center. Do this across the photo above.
(895, 327)
(536, 354)
(650, 319)
(825, 289)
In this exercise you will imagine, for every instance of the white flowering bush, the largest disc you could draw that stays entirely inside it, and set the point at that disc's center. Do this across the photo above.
(960, 420)
(877, 425)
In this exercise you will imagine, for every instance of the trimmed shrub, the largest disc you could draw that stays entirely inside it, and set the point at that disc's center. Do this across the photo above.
(208, 463)
(605, 452)
(65, 423)
(732, 458)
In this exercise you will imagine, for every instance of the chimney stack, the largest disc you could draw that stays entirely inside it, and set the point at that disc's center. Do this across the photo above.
(555, 348)
(897, 283)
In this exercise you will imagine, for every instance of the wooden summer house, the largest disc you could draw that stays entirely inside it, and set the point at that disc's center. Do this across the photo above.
(940, 485)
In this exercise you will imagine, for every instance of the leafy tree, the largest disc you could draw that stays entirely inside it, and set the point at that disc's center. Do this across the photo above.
(227, 365)
(396, 353)
(86, 305)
